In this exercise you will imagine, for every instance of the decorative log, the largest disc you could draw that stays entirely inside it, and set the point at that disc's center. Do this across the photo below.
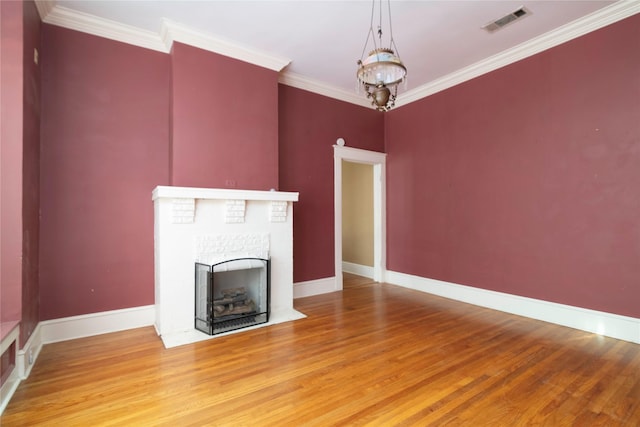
(234, 302)
(232, 292)
(248, 306)
(231, 296)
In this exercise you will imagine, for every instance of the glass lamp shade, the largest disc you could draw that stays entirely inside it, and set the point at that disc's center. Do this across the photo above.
(381, 67)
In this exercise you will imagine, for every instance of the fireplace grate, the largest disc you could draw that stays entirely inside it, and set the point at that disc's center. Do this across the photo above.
(220, 326)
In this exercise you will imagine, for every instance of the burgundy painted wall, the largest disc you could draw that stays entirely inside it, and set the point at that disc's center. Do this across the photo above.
(224, 121)
(11, 70)
(105, 146)
(30, 174)
(309, 126)
(526, 180)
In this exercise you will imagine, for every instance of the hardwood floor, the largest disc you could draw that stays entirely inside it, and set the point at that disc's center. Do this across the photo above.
(374, 354)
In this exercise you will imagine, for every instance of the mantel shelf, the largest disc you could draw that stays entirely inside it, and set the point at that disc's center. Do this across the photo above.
(221, 194)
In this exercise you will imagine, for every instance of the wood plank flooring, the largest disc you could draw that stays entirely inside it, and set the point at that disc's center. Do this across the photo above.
(374, 354)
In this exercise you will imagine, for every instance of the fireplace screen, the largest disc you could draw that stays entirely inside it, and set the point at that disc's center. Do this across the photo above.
(232, 295)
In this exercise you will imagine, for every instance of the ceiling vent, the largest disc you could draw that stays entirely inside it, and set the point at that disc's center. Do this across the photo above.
(507, 19)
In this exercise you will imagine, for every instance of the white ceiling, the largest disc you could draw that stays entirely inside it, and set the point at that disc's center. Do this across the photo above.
(323, 39)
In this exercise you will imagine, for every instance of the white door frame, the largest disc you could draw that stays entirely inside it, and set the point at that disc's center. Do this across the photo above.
(378, 160)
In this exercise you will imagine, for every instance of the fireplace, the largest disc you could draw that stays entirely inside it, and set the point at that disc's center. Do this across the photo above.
(211, 226)
(232, 294)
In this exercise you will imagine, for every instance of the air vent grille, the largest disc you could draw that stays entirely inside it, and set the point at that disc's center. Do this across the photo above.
(507, 19)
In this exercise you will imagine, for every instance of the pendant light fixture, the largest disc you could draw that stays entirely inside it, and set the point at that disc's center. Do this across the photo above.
(381, 71)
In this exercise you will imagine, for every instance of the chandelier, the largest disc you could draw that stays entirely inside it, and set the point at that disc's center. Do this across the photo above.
(381, 71)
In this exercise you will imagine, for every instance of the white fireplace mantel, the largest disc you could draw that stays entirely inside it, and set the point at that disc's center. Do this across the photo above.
(222, 194)
(190, 224)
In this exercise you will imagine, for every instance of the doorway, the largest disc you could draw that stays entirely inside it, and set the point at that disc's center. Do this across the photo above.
(378, 161)
(357, 219)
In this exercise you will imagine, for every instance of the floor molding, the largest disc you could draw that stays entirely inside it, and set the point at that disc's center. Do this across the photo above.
(86, 325)
(8, 388)
(28, 354)
(68, 328)
(598, 322)
(314, 287)
(12, 381)
(360, 270)
(56, 330)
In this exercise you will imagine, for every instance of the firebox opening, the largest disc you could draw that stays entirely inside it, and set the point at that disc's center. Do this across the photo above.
(232, 294)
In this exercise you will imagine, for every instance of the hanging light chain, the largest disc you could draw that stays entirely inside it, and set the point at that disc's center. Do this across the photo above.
(379, 22)
(392, 42)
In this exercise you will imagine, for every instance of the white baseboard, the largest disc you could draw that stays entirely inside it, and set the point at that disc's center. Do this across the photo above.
(314, 287)
(68, 328)
(8, 388)
(602, 323)
(11, 383)
(49, 331)
(360, 270)
(86, 325)
(29, 352)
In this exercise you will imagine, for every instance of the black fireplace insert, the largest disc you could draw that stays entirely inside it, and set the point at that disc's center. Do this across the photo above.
(232, 294)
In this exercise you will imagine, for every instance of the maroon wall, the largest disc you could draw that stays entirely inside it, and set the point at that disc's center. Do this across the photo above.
(522, 181)
(224, 121)
(105, 146)
(526, 180)
(309, 127)
(30, 173)
(11, 73)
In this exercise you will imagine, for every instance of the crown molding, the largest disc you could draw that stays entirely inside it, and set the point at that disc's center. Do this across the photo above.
(90, 24)
(316, 86)
(44, 7)
(173, 31)
(170, 31)
(594, 21)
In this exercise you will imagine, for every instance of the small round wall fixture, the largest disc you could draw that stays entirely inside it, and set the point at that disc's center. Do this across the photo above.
(340, 142)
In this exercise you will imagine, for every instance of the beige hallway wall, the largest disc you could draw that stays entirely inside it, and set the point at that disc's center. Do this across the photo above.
(357, 213)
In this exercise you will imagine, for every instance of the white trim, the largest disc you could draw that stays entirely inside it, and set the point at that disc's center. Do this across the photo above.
(44, 8)
(598, 322)
(360, 270)
(316, 86)
(378, 160)
(379, 218)
(221, 194)
(162, 42)
(172, 31)
(314, 287)
(68, 328)
(91, 24)
(337, 215)
(32, 347)
(8, 388)
(88, 325)
(11, 336)
(594, 21)
(13, 380)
